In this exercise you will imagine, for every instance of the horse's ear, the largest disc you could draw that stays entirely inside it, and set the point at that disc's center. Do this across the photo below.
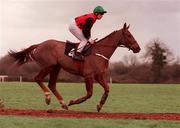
(128, 26)
(124, 27)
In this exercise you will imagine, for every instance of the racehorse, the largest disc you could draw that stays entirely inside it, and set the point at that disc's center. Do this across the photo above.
(50, 56)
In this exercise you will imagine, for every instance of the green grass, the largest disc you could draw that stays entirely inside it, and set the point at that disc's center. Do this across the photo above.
(123, 98)
(31, 122)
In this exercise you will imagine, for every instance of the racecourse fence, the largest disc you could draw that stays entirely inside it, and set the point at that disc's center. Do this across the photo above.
(21, 78)
(6, 78)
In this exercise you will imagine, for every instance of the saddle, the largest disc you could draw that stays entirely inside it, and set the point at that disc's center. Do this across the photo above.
(71, 48)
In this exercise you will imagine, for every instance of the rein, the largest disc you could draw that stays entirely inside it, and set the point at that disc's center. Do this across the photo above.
(103, 45)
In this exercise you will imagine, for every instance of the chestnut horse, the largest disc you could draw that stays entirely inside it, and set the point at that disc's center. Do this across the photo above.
(50, 55)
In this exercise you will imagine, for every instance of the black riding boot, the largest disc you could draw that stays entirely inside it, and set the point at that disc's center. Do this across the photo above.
(78, 56)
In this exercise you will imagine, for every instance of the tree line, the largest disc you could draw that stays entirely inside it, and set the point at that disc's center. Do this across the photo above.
(157, 65)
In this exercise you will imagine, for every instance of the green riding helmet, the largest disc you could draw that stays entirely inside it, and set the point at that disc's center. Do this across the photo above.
(99, 9)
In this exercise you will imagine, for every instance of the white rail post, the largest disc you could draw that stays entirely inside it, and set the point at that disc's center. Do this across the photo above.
(110, 79)
(20, 79)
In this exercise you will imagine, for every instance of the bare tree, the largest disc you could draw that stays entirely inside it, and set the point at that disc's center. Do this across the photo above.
(158, 55)
(176, 69)
(130, 60)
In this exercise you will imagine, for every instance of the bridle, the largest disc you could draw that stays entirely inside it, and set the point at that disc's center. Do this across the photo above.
(125, 40)
(119, 44)
(125, 43)
(115, 46)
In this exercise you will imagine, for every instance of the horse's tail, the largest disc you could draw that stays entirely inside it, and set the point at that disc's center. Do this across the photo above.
(23, 56)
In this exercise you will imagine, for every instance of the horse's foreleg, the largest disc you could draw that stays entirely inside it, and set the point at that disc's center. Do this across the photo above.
(52, 85)
(101, 80)
(89, 89)
(39, 79)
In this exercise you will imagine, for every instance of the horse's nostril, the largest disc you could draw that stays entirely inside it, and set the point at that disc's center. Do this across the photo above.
(136, 50)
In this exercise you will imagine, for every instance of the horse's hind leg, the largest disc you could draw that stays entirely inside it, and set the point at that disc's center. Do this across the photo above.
(39, 79)
(52, 85)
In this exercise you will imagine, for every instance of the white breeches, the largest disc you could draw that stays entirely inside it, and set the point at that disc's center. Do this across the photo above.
(77, 32)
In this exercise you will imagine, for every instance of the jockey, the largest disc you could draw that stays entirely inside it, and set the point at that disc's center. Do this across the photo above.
(81, 26)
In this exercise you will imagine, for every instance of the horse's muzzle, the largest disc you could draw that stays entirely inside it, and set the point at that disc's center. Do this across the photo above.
(136, 50)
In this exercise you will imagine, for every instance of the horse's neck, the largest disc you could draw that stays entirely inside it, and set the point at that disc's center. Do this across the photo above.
(108, 45)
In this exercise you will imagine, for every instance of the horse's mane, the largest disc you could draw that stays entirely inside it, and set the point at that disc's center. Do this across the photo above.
(107, 36)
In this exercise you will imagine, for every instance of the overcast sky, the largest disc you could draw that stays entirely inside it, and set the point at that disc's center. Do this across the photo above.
(26, 22)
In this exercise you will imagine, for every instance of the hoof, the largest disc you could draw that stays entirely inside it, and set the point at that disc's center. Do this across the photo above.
(65, 107)
(2, 104)
(49, 111)
(71, 102)
(98, 107)
(48, 100)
